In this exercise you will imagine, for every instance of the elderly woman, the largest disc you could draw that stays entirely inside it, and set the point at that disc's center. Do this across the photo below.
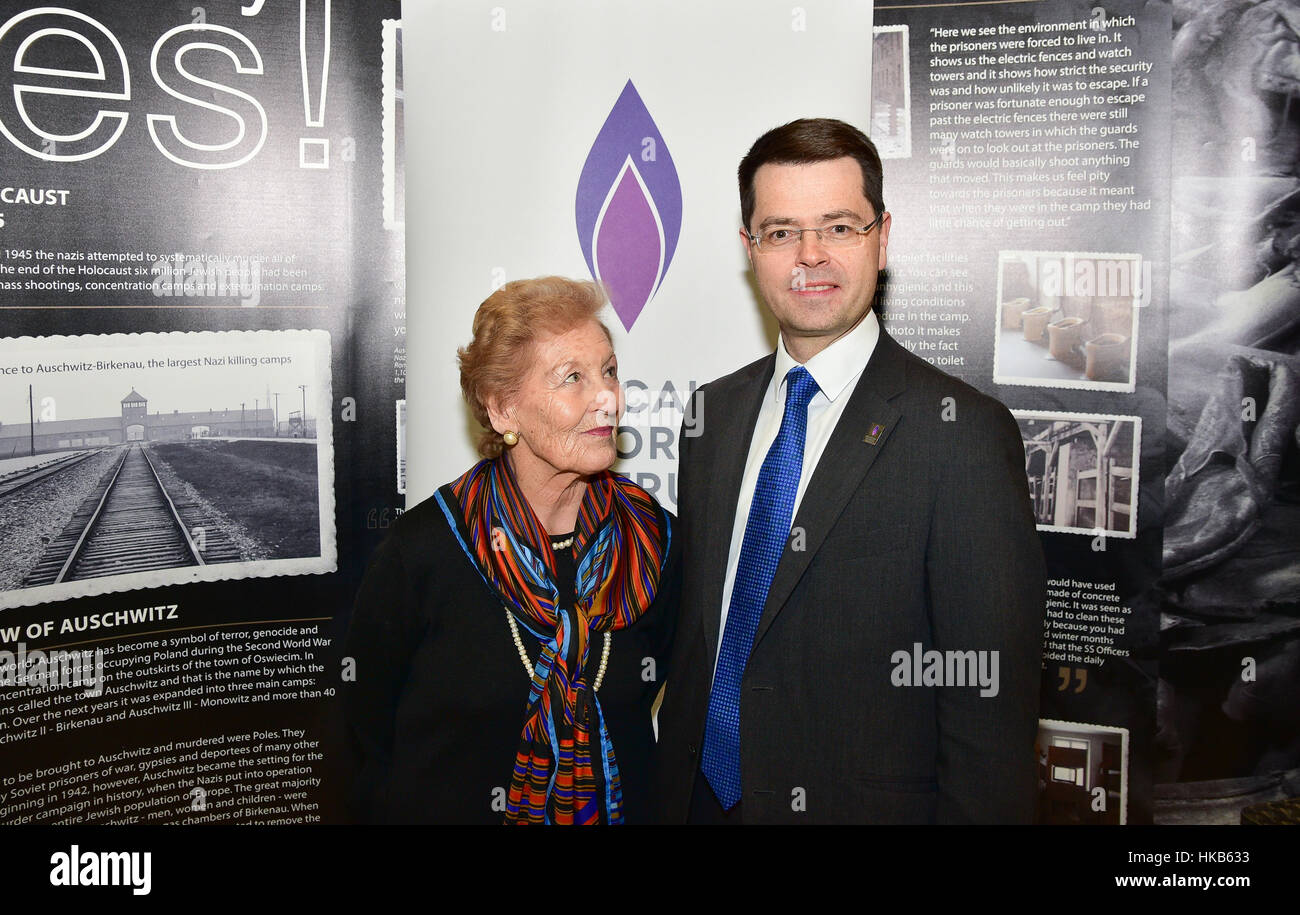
(511, 633)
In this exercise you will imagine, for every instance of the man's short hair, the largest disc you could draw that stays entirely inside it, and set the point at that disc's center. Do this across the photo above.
(809, 140)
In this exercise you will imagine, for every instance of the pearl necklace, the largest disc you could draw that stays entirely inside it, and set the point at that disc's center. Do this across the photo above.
(523, 652)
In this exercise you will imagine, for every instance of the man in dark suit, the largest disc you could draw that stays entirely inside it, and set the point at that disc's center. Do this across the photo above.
(861, 626)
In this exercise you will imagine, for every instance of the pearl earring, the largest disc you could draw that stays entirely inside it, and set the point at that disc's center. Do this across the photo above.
(510, 438)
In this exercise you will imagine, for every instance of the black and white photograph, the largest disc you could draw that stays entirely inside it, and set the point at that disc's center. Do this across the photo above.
(139, 460)
(891, 92)
(1228, 737)
(1082, 774)
(1068, 320)
(1082, 470)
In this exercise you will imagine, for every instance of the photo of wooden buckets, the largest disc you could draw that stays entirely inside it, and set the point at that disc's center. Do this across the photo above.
(1035, 322)
(1064, 340)
(1012, 309)
(1107, 357)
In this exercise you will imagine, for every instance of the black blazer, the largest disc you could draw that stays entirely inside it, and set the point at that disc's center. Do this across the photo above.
(435, 713)
(924, 535)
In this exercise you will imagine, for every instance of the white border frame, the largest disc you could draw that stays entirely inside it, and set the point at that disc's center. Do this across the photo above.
(1083, 383)
(1053, 415)
(327, 561)
(1083, 728)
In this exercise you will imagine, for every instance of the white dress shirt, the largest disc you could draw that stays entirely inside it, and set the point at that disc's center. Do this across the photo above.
(836, 370)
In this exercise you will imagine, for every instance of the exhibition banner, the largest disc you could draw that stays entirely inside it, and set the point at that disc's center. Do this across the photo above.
(1228, 737)
(1027, 151)
(201, 372)
(600, 140)
(1103, 204)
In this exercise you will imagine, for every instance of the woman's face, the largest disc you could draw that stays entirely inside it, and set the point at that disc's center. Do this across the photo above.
(568, 407)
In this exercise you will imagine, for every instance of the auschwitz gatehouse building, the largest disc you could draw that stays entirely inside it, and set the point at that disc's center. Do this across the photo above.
(135, 424)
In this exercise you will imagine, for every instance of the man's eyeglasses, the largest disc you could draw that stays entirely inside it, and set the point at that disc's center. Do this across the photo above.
(839, 235)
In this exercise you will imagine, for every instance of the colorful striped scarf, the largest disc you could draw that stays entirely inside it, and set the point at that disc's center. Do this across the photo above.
(620, 544)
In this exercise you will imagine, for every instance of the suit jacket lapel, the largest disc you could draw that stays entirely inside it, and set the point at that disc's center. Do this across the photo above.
(859, 437)
(730, 431)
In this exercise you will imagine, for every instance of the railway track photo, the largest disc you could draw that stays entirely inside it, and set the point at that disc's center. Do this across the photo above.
(129, 524)
(176, 458)
(145, 507)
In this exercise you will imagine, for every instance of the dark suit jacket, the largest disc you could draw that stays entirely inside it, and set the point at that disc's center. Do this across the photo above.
(924, 536)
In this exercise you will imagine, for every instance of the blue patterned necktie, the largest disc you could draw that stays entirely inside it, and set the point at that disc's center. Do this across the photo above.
(766, 533)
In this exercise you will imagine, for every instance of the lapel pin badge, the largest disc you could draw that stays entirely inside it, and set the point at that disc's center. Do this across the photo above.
(873, 434)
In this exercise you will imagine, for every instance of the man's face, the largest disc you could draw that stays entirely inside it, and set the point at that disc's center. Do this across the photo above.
(817, 294)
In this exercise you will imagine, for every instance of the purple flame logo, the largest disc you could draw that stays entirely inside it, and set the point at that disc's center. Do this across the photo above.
(629, 206)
